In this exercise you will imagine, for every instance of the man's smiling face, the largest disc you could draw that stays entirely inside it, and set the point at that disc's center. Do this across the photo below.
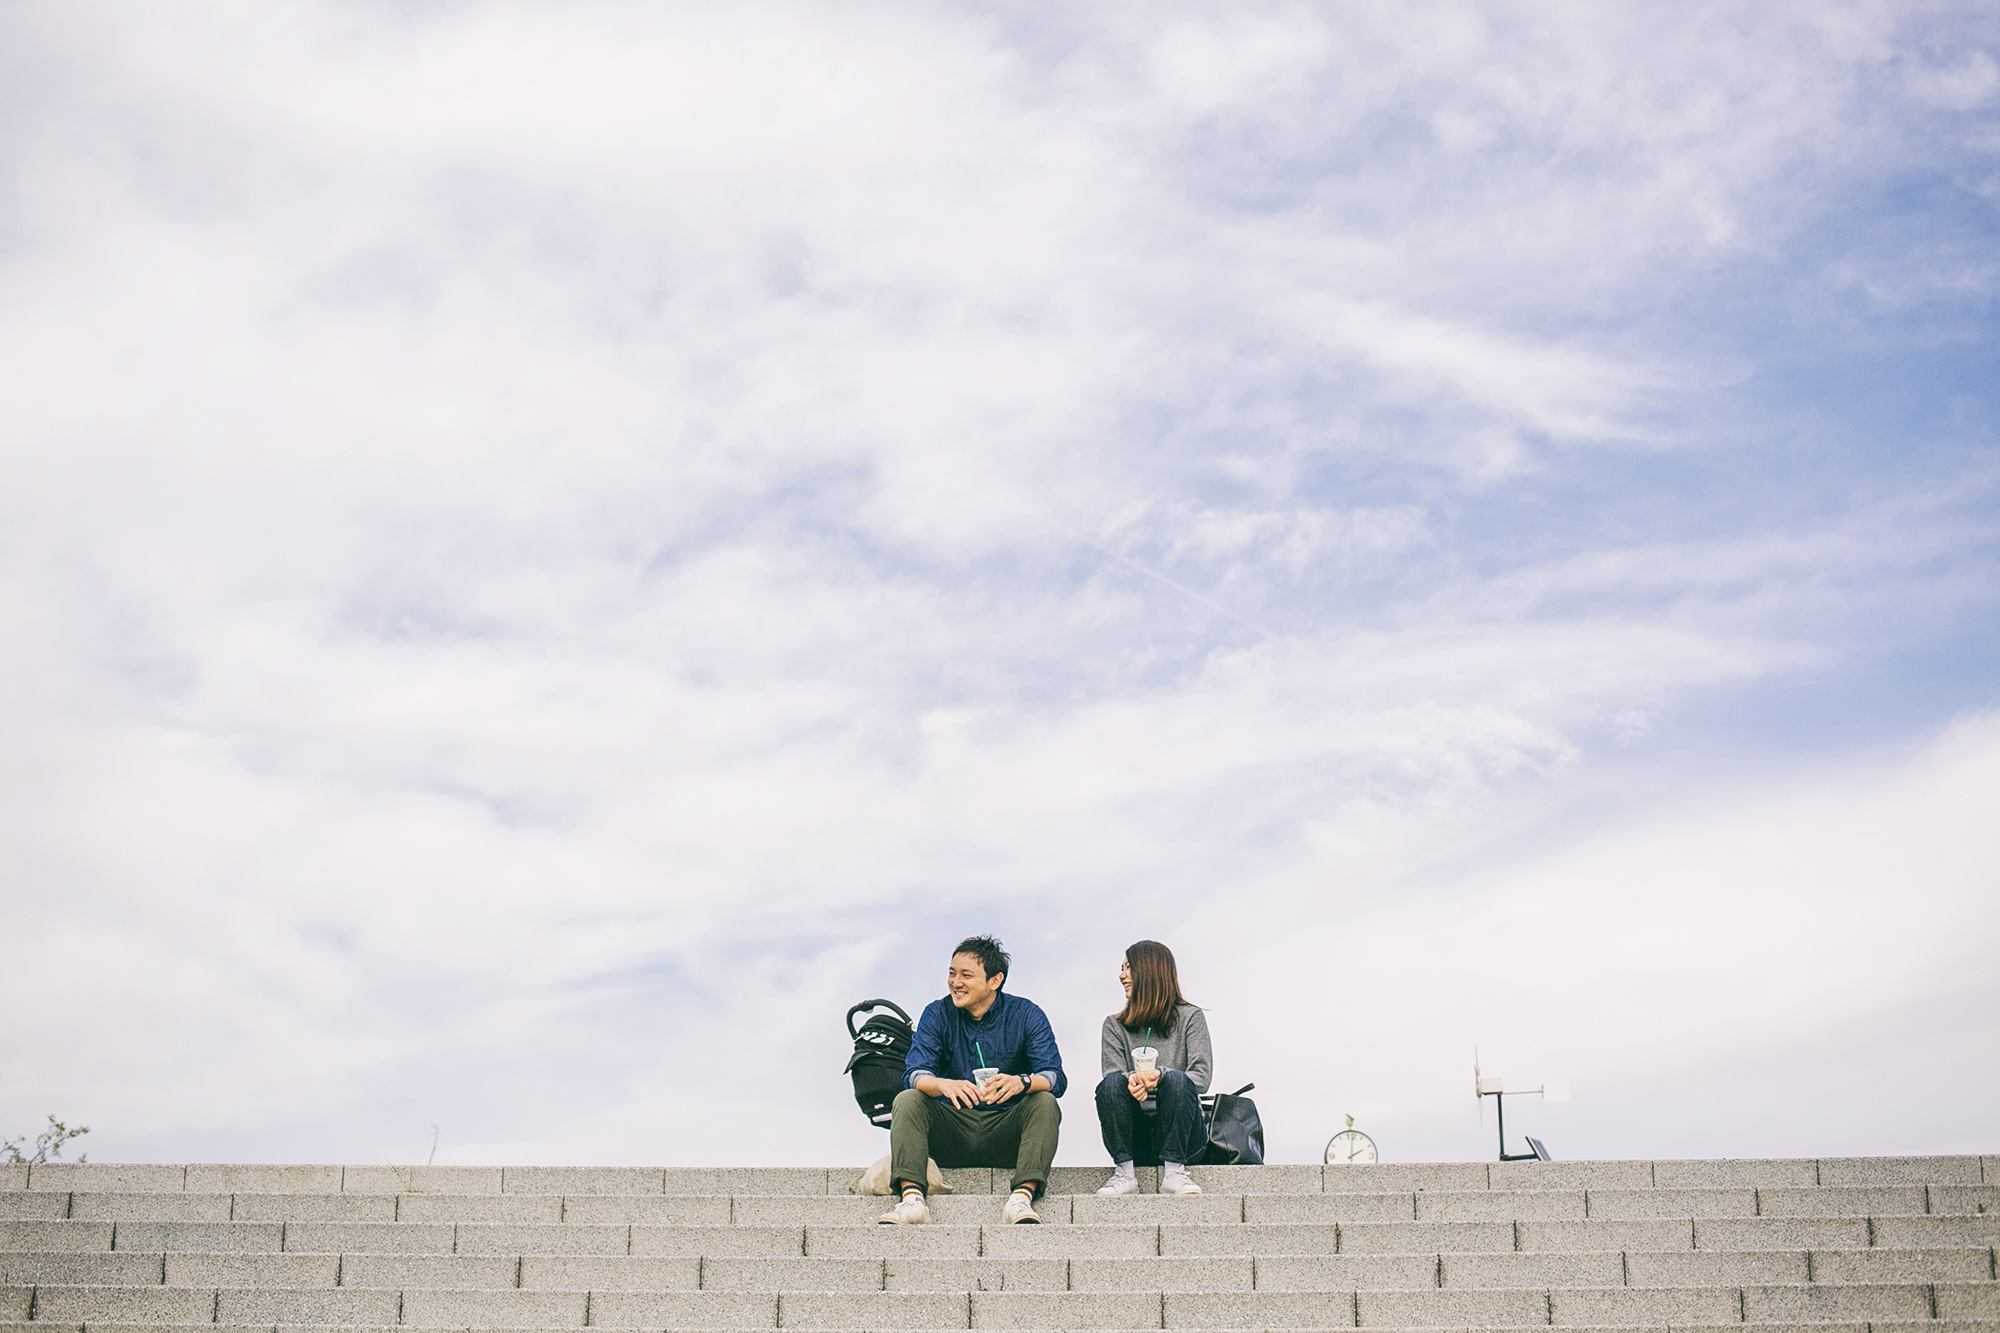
(971, 989)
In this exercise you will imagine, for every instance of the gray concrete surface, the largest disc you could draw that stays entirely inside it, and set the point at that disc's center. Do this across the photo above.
(1885, 1245)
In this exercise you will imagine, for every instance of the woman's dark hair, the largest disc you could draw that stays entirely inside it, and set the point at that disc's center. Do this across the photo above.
(989, 953)
(1156, 987)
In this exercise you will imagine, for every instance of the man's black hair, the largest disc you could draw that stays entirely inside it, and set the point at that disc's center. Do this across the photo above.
(987, 950)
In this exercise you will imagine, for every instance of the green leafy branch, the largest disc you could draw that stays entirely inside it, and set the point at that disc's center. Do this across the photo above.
(48, 1145)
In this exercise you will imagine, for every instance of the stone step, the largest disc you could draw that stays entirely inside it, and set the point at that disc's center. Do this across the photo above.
(1937, 1325)
(1919, 1231)
(1820, 1202)
(1068, 1309)
(970, 1271)
(137, 1241)
(351, 1206)
(1929, 1325)
(105, 1177)
(1943, 1325)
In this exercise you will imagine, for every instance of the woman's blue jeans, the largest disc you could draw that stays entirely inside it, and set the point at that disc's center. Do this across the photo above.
(1176, 1133)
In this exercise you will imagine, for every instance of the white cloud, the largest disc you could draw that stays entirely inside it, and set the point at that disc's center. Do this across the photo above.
(546, 549)
(1653, 954)
(1961, 85)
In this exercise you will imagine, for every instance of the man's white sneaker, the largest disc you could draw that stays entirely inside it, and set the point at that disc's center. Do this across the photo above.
(1178, 1182)
(912, 1211)
(1120, 1184)
(1019, 1209)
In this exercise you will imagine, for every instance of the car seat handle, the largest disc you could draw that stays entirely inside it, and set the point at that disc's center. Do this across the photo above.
(865, 1006)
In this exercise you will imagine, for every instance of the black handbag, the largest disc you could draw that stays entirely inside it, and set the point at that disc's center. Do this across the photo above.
(1235, 1134)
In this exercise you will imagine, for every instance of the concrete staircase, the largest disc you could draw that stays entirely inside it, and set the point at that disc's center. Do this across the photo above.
(1860, 1244)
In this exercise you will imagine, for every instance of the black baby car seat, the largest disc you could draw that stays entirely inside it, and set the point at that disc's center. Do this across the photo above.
(880, 1047)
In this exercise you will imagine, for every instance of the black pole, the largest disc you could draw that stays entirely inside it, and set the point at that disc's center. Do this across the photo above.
(1500, 1109)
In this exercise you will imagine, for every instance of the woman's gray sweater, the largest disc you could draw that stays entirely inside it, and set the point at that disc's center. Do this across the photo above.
(1183, 1046)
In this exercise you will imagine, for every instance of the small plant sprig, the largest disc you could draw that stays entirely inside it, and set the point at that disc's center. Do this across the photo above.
(48, 1145)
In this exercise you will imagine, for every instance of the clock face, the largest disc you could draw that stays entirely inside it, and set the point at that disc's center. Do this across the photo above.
(1350, 1146)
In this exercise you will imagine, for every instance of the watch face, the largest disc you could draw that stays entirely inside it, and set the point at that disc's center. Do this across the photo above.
(1350, 1146)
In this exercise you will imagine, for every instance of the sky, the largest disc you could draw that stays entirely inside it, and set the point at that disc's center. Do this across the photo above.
(548, 549)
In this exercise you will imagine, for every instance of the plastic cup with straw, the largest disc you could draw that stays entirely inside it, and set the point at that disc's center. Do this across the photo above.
(985, 1073)
(1146, 1060)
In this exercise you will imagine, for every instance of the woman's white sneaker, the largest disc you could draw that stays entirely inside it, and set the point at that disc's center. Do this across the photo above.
(1178, 1182)
(912, 1211)
(1120, 1183)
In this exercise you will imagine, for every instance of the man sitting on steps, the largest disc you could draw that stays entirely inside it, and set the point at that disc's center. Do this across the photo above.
(1010, 1119)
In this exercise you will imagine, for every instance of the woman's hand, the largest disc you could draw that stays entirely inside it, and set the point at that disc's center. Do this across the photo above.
(1141, 1085)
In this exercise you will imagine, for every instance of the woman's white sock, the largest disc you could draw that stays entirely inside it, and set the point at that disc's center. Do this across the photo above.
(1127, 1170)
(1171, 1167)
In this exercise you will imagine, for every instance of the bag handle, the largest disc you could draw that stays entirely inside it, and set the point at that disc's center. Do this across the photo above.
(865, 1006)
(1245, 1088)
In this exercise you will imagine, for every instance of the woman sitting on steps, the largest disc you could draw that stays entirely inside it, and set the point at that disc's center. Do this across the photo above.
(1153, 1115)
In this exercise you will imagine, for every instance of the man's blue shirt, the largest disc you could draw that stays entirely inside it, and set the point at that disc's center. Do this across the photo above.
(1015, 1036)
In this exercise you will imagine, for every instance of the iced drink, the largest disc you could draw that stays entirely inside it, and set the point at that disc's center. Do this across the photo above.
(980, 1076)
(1146, 1060)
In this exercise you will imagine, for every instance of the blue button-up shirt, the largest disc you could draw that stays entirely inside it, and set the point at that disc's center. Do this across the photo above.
(1015, 1036)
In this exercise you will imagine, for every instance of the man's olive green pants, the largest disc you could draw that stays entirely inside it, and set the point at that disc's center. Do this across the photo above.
(1021, 1135)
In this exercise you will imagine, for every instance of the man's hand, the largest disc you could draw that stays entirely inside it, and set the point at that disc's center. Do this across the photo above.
(1002, 1087)
(1141, 1085)
(961, 1092)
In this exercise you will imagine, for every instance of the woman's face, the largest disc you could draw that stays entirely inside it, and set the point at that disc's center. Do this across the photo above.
(1125, 978)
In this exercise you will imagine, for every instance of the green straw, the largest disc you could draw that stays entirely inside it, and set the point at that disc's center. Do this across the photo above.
(982, 1054)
